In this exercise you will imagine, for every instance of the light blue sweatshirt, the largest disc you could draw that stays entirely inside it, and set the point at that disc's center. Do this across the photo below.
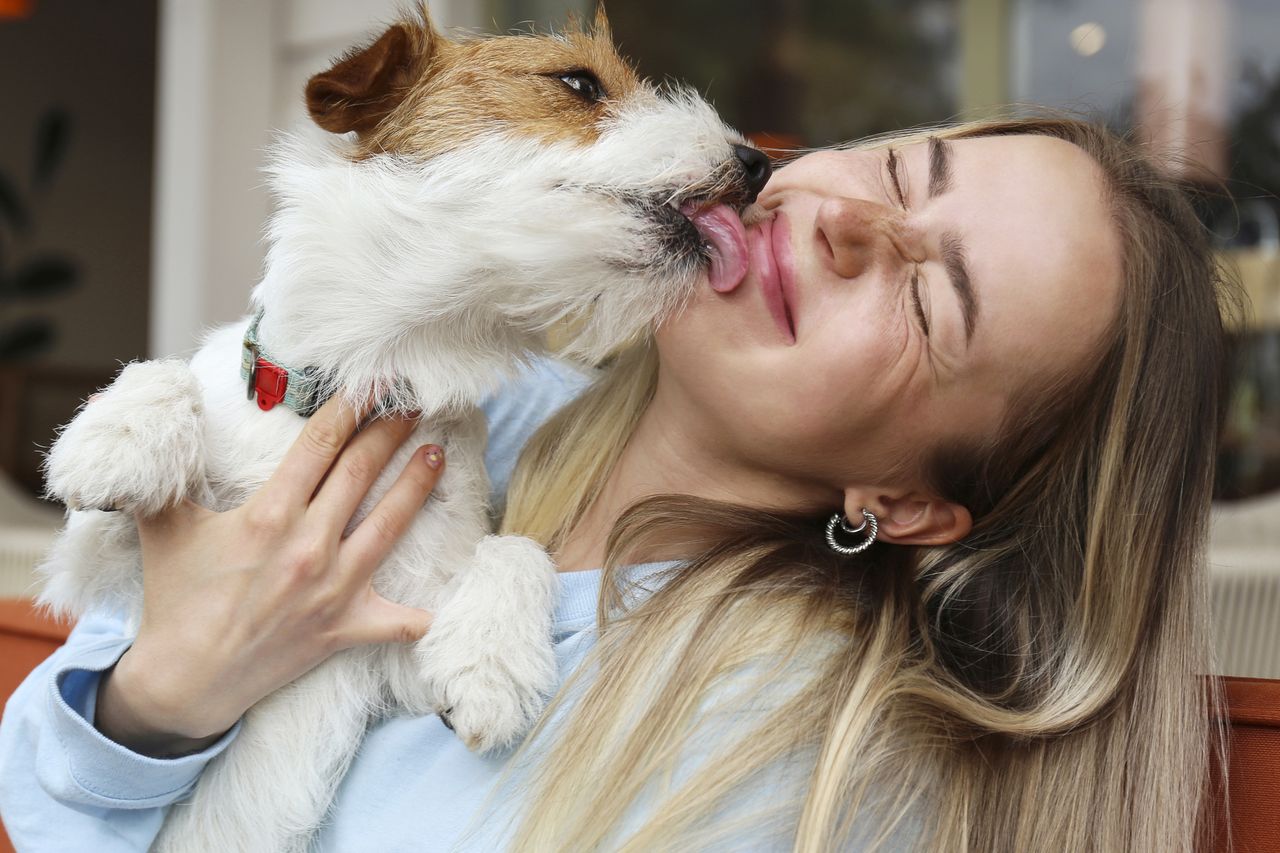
(413, 786)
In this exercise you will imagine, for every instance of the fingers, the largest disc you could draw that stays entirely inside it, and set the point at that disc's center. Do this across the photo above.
(384, 621)
(312, 454)
(357, 468)
(373, 539)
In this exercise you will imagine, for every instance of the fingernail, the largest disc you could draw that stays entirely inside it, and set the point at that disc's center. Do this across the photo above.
(435, 456)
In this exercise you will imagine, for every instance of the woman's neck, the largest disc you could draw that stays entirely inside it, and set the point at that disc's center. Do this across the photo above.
(671, 453)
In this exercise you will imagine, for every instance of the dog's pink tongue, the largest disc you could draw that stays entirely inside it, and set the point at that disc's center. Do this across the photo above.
(722, 228)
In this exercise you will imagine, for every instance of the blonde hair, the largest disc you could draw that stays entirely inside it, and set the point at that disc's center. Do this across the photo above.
(1038, 685)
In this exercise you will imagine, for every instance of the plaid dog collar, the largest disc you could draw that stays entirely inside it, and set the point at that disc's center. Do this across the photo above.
(271, 382)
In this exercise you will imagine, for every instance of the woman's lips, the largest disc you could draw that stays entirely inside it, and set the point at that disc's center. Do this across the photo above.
(780, 243)
(766, 268)
(734, 250)
(723, 231)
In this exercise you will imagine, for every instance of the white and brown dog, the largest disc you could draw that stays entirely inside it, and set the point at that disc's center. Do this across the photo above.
(469, 196)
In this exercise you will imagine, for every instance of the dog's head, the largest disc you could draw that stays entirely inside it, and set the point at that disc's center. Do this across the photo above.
(521, 182)
(415, 92)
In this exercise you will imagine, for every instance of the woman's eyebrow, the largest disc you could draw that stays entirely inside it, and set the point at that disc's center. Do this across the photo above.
(939, 166)
(953, 260)
(953, 250)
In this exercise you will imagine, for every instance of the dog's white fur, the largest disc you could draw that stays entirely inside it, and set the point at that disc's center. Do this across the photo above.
(428, 281)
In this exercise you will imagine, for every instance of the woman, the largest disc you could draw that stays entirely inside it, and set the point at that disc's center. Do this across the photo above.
(1000, 345)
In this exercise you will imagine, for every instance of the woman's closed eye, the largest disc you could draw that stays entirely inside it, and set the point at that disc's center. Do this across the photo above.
(898, 178)
(915, 300)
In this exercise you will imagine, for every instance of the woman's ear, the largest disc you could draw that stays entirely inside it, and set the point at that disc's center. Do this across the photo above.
(910, 518)
(366, 85)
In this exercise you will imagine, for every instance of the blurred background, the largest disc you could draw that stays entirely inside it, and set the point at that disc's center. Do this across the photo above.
(132, 133)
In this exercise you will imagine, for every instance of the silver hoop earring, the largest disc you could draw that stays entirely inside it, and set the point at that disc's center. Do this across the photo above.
(868, 520)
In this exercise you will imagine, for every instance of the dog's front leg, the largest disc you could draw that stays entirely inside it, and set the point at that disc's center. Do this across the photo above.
(488, 657)
(138, 446)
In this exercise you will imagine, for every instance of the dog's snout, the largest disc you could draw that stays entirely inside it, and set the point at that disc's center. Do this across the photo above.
(756, 167)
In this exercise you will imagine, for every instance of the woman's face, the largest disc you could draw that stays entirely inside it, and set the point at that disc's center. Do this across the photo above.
(913, 290)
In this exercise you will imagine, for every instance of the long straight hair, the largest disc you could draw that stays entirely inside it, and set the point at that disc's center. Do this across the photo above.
(1038, 685)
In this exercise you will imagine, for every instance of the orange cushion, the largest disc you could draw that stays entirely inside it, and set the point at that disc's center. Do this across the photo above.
(1253, 706)
(27, 636)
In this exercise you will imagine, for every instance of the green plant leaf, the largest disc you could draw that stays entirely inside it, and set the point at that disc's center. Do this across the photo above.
(25, 338)
(53, 134)
(11, 206)
(43, 277)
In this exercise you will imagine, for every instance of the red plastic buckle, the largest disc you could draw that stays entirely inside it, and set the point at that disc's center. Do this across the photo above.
(270, 382)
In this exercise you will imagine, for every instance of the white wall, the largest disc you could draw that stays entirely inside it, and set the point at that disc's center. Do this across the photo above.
(231, 71)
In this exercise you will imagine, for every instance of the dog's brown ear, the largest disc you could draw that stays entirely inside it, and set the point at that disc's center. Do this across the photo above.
(367, 84)
(600, 27)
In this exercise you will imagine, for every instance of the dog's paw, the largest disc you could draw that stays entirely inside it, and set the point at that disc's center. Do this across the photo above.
(487, 706)
(488, 660)
(137, 446)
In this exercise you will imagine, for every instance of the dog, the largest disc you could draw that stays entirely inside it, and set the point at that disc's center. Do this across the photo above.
(457, 200)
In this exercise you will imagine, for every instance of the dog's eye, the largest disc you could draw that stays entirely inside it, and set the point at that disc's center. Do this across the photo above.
(583, 83)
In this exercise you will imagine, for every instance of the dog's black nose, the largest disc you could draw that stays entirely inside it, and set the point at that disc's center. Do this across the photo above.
(755, 165)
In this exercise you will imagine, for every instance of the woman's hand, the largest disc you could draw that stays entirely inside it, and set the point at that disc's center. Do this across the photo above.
(240, 603)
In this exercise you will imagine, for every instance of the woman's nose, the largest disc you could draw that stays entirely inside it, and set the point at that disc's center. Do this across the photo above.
(862, 234)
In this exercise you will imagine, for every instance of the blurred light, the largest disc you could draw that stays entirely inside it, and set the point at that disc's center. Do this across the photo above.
(1088, 38)
(14, 8)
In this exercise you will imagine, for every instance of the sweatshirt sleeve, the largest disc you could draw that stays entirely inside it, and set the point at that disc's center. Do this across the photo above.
(65, 786)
